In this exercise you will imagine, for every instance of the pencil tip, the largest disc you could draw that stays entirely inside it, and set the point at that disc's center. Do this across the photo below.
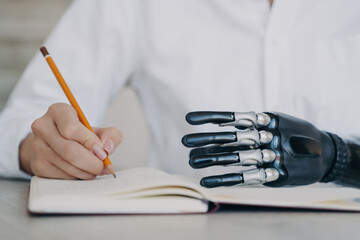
(111, 169)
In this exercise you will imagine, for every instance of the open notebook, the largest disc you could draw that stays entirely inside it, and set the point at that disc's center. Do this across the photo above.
(152, 191)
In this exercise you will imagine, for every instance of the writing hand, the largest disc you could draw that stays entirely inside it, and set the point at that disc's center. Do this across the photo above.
(61, 147)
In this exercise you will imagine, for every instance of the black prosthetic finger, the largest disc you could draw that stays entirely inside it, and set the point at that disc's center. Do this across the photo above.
(247, 177)
(222, 180)
(209, 150)
(202, 139)
(204, 161)
(202, 157)
(197, 118)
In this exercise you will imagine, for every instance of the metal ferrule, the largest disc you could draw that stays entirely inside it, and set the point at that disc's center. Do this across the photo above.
(260, 176)
(248, 120)
(255, 157)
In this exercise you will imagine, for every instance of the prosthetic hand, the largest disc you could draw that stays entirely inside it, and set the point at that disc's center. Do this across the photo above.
(280, 149)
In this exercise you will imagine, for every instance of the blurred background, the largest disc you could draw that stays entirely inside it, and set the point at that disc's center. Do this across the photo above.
(24, 25)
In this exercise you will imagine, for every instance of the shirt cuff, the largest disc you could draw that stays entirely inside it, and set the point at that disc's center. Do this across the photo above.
(13, 135)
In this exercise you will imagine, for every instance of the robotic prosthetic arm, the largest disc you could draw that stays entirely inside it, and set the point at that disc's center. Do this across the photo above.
(280, 150)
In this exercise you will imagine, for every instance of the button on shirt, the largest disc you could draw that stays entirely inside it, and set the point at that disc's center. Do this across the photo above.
(301, 57)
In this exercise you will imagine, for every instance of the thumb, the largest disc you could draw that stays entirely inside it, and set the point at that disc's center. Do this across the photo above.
(110, 137)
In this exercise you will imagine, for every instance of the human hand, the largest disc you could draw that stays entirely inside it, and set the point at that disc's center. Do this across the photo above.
(61, 147)
(282, 150)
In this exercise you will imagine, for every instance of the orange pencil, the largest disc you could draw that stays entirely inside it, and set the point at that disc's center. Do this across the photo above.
(72, 100)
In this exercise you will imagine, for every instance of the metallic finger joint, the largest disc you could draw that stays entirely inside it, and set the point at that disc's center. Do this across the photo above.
(260, 176)
(255, 157)
(251, 138)
(248, 120)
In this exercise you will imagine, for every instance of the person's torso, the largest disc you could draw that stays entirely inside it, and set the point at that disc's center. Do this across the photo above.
(301, 58)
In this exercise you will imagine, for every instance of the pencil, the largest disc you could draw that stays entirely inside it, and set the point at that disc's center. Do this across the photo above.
(72, 100)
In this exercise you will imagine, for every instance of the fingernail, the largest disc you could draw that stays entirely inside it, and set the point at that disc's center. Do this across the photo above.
(105, 171)
(99, 152)
(109, 146)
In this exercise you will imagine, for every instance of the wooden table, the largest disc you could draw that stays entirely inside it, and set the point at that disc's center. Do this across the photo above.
(229, 223)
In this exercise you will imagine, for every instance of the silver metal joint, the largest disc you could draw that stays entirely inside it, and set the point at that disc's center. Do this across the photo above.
(242, 119)
(248, 120)
(254, 176)
(271, 174)
(268, 155)
(250, 157)
(262, 119)
(260, 176)
(251, 138)
(265, 137)
(246, 138)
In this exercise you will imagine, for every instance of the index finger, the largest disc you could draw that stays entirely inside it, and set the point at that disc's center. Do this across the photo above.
(202, 117)
(70, 150)
(70, 127)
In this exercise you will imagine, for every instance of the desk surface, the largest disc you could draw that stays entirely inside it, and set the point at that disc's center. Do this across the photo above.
(231, 223)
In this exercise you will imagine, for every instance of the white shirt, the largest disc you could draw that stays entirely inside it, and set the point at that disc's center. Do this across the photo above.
(302, 57)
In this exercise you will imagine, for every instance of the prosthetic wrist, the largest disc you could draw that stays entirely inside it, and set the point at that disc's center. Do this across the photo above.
(346, 170)
(341, 160)
(276, 149)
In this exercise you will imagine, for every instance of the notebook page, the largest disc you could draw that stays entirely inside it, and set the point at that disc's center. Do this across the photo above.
(126, 181)
(125, 194)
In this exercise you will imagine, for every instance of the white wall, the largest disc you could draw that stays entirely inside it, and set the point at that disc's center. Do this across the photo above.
(24, 25)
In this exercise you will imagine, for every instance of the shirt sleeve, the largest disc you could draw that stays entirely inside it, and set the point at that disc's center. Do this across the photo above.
(93, 45)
